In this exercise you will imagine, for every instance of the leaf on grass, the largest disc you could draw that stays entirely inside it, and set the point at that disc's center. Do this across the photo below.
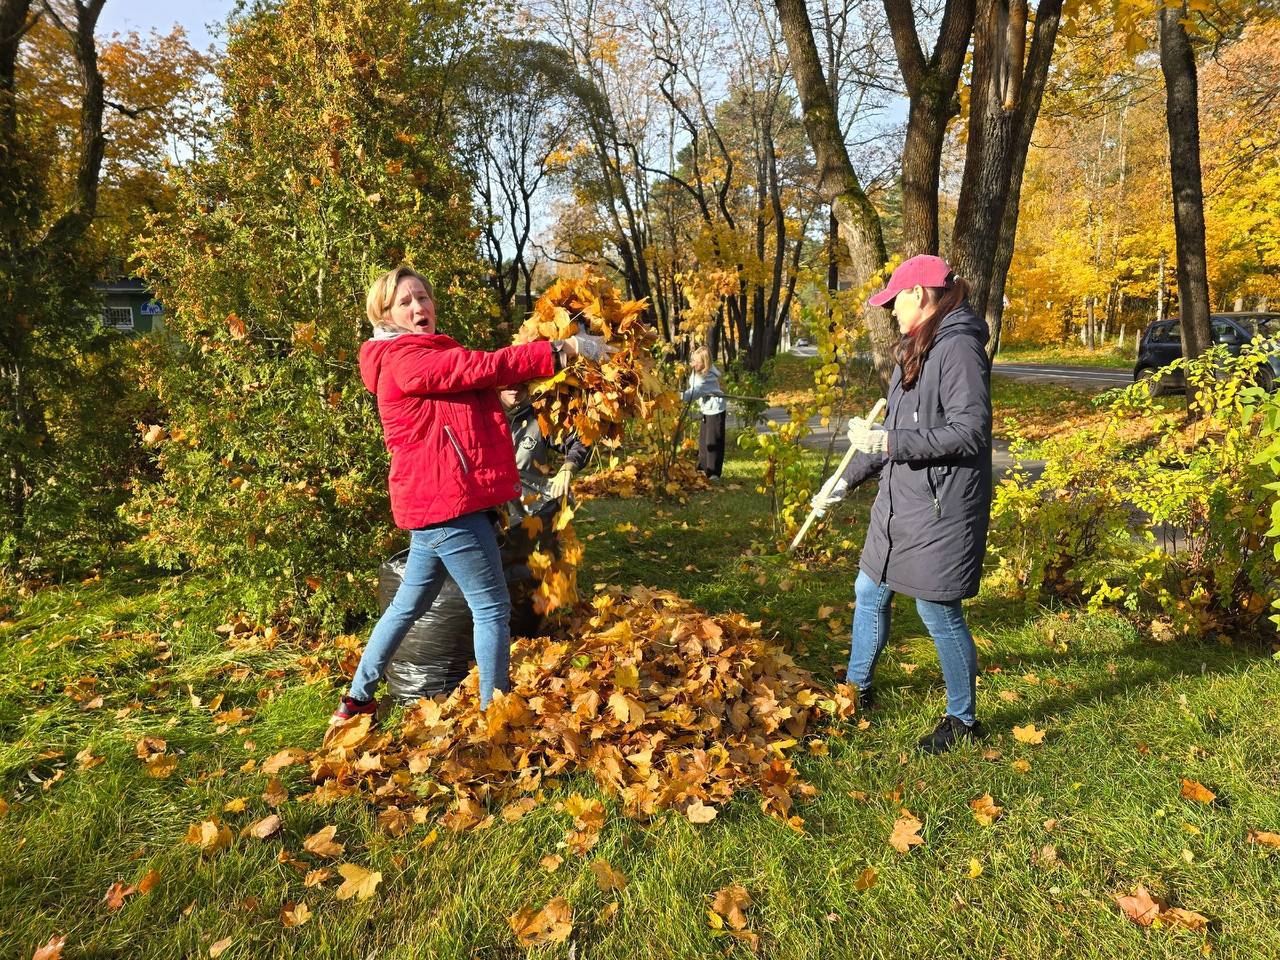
(160, 765)
(866, 879)
(216, 949)
(117, 893)
(285, 758)
(698, 812)
(1264, 838)
(975, 869)
(552, 924)
(209, 835)
(235, 806)
(322, 844)
(985, 810)
(51, 950)
(728, 908)
(1197, 791)
(316, 877)
(294, 914)
(607, 877)
(267, 827)
(1145, 910)
(348, 734)
(1028, 734)
(149, 745)
(1020, 766)
(906, 833)
(1138, 906)
(148, 881)
(276, 793)
(551, 862)
(357, 882)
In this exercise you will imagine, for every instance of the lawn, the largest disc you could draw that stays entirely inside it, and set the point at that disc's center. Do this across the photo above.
(1092, 811)
(1072, 353)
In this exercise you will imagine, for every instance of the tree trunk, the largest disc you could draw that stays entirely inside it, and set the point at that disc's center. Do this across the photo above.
(1178, 64)
(1004, 106)
(931, 86)
(838, 183)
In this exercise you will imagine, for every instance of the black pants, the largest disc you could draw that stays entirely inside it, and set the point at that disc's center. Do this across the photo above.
(711, 444)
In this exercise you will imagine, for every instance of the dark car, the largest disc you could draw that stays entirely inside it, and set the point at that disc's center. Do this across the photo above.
(1161, 344)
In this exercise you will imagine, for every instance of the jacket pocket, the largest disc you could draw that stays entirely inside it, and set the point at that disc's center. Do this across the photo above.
(934, 482)
(457, 448)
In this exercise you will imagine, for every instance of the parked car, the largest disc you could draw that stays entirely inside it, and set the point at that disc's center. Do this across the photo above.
(1161, 344)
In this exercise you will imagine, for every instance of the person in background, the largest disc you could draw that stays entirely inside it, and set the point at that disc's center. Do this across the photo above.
(704, 386)
(451, 465)
(927, 535)
(533, 454)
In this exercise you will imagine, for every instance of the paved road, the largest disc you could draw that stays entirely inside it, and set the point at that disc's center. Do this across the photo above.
(1084, 378)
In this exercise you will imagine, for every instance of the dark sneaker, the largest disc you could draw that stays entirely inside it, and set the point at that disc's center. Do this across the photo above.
(349, 707)
(947, 734)
(866, 700)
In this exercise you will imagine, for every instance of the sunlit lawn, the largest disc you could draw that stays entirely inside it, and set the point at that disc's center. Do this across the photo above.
(1093, 811)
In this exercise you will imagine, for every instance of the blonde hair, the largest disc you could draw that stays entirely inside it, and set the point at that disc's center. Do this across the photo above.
(700, 360)
(383, 291)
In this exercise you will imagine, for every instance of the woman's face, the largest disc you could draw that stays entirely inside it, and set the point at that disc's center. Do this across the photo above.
(908, 307)
(412, 309)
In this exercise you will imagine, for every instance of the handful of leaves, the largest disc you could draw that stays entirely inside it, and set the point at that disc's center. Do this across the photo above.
(593, 400)
(664, 705)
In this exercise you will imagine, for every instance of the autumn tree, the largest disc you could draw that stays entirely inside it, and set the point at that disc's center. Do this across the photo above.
(46, 267)
(335, 160)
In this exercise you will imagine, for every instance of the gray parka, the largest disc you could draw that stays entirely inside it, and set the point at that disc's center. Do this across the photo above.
(927, 535)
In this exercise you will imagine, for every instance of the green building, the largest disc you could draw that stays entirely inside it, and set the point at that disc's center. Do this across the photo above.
(128, 306)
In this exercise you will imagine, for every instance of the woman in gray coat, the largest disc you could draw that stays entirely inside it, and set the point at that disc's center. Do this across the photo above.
(927, 534)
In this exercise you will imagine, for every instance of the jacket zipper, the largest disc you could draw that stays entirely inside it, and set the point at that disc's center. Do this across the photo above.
(933, 489)
(457, 448)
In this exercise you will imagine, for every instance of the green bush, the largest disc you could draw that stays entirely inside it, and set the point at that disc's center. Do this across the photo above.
(333, 162)
(1158, 511)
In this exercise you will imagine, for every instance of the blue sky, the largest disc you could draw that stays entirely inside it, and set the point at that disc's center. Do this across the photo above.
(144, 15)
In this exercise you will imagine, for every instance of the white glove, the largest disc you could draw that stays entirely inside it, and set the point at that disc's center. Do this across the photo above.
(832, 493)
(867, 437)
(590, 348)
(559, 484)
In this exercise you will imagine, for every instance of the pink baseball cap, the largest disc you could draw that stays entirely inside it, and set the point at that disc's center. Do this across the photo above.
(924, 270)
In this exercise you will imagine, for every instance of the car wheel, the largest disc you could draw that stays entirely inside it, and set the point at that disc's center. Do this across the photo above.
(1266, 379)
(1154, 386)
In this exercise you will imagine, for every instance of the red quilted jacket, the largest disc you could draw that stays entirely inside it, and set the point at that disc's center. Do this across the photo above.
(450, 445)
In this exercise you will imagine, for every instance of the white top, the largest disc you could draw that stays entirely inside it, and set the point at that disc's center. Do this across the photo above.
(701, 384)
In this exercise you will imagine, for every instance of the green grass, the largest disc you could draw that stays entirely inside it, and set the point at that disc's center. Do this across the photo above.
(1126, 719)
(1073, 354)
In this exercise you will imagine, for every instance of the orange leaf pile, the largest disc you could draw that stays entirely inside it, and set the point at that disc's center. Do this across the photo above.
(594, 400)
(666, 707)
(643, 475)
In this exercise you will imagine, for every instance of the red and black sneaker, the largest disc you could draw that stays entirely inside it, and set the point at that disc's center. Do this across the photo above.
(349, 707)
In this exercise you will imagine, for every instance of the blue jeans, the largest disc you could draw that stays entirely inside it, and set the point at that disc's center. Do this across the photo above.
(873, 605)
(467, 549)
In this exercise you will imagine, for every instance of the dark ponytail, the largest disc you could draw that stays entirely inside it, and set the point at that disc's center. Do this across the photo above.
(911, 349)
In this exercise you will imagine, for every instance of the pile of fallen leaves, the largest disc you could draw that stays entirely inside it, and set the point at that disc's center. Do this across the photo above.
(644, 475)
(665, 706)
(594, 400)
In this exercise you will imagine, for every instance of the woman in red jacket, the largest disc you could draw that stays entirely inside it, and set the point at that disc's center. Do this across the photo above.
(451, 462)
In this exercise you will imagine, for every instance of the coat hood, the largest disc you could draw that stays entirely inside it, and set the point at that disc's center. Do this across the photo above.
(375, 353)
(963, 320)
